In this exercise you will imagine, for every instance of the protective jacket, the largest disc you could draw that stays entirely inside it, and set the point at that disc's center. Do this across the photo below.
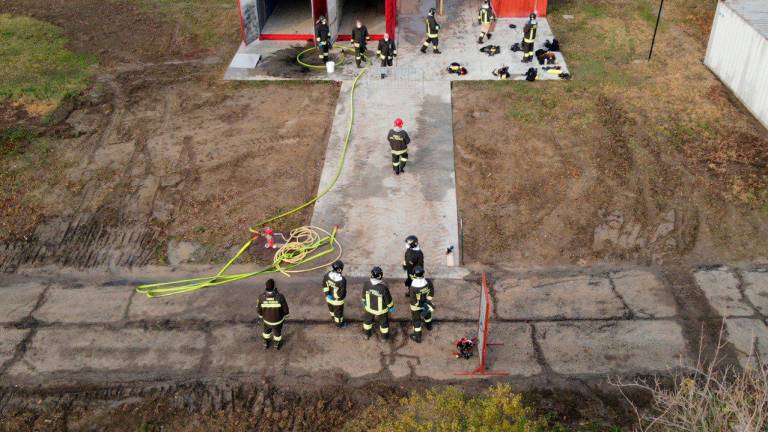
(335, 288)
(272, 308)
(322, 33)
(360, 35)
(432, 26)
(485, 15)
(420, 292)
(413, 257)
(376, 297)
(398, 140)
(386, 49)
(529, 32)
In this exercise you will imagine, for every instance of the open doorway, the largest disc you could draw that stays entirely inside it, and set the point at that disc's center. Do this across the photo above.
(371, 12)
(287, 18)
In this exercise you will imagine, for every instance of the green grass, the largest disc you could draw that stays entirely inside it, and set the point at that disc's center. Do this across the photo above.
(35, 65)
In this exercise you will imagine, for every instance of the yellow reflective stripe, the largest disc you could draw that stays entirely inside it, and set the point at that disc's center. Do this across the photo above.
(271, 305)
(335, 302)
(367, 326)
(415, 308)
(369, 310)
(274, 323)
(277, 338)
(399, 152)
(384, 330)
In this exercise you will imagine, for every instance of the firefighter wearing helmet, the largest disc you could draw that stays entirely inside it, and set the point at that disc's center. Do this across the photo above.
(421, 293)
(398, 143)
(378, 303)
(272, 309)
(529, 38)
(432, 30)
(323, 38)
(335, 290)
(487, 20)
(413, 258)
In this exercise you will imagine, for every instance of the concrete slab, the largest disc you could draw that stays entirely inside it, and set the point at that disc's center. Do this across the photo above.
(90, 354)
(91, 304)
(747, 336)
(290, 17)
(621, 347)
(17, 301)
(577, 297)
(756, 289)
(375, 209)
(644, 293)
(9, 340)
(516, 356)
(721, 287)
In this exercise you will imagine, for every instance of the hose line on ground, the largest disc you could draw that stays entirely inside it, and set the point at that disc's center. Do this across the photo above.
(304, 244)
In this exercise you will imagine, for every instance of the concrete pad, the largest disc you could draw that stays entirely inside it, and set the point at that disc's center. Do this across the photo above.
(756, 289)
(621, 347)
(92, 304)
(375, 209)
(17, 301)
(326, 349)
(748, 335)
(576, 297)
(90, 354)
(721, 287)
(516, 356)
(644, 293)
(9, 340)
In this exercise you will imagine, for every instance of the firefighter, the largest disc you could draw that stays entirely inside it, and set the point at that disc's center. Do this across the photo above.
(272, 309)
(378, 303)
(387, 51)
(414, 257)
(360, 40)
(335, 290)
(398, 143)
(487, 20)
(323, 38)
(433, 28)
(529, 37)
(421, 293)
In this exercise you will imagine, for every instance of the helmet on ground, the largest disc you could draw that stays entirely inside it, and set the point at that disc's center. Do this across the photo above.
(398, 122)
(377, 273)
(270, 285)
(412, 241)
(337, 266)
(418, 271)
(432, 11)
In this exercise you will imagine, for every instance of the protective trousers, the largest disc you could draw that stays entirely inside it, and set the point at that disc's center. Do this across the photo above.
(487, 28)
(420, 316)
(383, 320)
(431, 40)
(399, 158)
(360, 50)
(325, 48)
(273, 331)
(337, 312)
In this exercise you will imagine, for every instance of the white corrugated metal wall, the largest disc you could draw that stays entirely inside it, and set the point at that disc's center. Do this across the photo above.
(738, 54)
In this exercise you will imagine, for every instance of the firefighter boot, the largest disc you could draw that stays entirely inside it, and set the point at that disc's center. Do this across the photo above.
(357, 62)
(367, 334)
(416, 337)
(428, 325)
(385, 336)
(480, 39)
(436, 51)
(423, 49)
(266, 343)
(278, 345)
(488, 35)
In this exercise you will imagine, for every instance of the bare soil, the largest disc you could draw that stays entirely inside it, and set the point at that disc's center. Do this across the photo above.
(630, 161)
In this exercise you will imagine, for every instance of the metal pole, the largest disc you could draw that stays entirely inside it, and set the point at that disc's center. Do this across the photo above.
(653, 41)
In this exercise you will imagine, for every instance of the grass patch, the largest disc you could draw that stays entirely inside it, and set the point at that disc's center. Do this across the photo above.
(211, 22)
(35, 66)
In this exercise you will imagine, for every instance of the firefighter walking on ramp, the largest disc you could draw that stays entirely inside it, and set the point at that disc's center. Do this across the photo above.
(378, 303)
(413, 258)
(421, 293)
(398, 144)
(272, 309)
(529, 37)
(487, 20)
(323, 38)
(433, 29)
(360, 40)
(387, 51)
(335, 290)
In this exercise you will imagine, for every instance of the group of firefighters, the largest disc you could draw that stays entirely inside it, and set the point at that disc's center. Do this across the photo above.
(387, 50)
(377, 301)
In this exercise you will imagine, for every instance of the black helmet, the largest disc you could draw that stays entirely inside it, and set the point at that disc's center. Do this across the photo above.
(432, 11)
(270, 285)
(377, 273)
(323, 19)
(418, 271)
(412, 241)
(337, 266)
(532, 16)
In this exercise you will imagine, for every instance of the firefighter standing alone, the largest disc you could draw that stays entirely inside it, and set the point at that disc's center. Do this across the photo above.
(433, 29)
(323, 38)
(421, 293)
(387, 51)
(272, 309)
(529, 37)
(398, 144)
(487, 20)
(360, 38)
(413, 258)
(335, 290)
(378, 303)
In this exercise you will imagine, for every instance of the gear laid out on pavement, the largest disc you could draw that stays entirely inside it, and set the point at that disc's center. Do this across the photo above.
(458, 69)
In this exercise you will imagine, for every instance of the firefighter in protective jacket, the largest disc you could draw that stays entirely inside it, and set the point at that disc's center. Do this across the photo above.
(360, 38)
(433, 29)
(421, 293)
(387, 51)
(398, 144)
(323, 38)
(335, 290)
(487, 20)
(529, 37)
(272, 309)
(414, 257)
(378, 303)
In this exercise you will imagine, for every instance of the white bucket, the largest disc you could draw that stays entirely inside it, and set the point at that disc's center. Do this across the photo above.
(330, 67)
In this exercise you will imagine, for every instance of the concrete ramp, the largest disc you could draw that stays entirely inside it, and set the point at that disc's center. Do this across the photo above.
(375, 209)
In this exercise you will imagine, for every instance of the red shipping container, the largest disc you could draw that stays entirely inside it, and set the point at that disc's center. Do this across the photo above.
(519, 8)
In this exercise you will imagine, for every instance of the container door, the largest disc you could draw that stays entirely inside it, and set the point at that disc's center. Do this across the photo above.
(334, 13)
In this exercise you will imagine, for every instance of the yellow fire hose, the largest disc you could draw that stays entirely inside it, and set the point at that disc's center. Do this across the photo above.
(304, 244)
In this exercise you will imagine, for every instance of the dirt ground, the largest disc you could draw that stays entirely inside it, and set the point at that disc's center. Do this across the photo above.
(629, 162)
(155, 153)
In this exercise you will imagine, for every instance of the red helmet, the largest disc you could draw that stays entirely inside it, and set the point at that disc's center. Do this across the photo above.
(398, 122)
